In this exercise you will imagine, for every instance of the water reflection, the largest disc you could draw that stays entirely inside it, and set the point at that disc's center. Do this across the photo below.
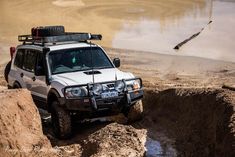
(148, 25)
(99, 16)
(156, 35)
(155, 149)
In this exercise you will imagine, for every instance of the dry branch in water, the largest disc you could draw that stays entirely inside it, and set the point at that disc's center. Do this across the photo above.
(177, 47)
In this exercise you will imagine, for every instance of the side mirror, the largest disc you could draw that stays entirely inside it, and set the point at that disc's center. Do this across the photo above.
(116, 62)
(39, 71)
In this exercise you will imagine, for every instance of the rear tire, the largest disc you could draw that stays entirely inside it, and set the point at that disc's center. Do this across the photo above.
(135, 112)
(61, 121)
(7, 70)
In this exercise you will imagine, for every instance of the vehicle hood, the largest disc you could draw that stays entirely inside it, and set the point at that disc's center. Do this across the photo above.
(79, 78)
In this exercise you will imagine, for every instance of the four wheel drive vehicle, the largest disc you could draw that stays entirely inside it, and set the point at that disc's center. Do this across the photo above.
(71, 77)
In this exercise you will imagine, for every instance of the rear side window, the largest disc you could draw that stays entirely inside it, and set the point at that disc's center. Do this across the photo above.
(19, 58)
(40, 60)
(29, 60)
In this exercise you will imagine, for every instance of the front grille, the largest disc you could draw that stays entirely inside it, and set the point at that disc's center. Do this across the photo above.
(109, 86)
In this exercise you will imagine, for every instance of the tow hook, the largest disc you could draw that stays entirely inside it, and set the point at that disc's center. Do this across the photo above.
(92, 99)
(93, 103)
(128, 97)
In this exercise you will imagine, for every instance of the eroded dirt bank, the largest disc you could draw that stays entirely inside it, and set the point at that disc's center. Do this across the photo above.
(20, 126)
(201, 121)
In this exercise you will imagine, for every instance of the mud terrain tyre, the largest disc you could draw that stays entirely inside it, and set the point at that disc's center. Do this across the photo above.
(135, 112)
(7, 70)
(61, 121)
(47, 31)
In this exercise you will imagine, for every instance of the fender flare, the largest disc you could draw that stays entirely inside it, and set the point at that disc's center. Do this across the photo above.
(53, 95)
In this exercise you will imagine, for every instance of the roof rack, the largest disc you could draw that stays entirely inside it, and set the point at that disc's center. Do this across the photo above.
(68, 36)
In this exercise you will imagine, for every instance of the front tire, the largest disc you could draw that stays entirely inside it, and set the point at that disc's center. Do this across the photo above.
(135, 112)
(61, 121)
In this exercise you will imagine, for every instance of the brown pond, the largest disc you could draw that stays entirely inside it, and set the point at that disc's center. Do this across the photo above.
(150, 25)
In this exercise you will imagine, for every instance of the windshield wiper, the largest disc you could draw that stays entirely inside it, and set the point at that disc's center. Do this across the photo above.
(104, 67)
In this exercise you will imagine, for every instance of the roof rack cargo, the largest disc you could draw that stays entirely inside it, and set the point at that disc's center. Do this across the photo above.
(68, 36)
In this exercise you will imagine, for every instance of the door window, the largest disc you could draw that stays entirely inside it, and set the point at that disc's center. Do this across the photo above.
(29, 60)
(40, 60)
(19, 58)
(40, 70)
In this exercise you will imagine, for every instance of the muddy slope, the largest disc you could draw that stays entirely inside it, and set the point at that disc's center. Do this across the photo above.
(200, 120)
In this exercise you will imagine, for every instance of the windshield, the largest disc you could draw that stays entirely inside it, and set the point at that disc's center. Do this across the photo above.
(79, 59)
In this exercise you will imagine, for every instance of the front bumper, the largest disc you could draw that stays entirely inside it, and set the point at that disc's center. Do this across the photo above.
(95, 104)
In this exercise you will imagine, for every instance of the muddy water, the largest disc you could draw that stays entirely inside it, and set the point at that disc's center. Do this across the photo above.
(156, 35)
(149, 25)
(155, 148)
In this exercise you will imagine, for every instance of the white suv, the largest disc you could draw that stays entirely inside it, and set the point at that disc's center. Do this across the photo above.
(69, 76)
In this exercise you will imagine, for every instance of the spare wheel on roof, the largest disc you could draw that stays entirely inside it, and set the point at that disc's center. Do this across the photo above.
(47, 31)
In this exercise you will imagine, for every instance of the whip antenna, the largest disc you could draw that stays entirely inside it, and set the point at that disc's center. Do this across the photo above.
(92, 66)
(115, 75)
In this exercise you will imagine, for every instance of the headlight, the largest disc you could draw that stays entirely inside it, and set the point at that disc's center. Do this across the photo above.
(136, 85)
(119, 86)
(75, 92)
(133, 84)
(97, 89)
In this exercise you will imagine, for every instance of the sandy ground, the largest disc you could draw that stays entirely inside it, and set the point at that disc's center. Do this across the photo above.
(165, 71)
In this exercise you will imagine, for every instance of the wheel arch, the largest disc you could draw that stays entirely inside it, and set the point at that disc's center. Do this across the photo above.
(53, 95)
(16, 84)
